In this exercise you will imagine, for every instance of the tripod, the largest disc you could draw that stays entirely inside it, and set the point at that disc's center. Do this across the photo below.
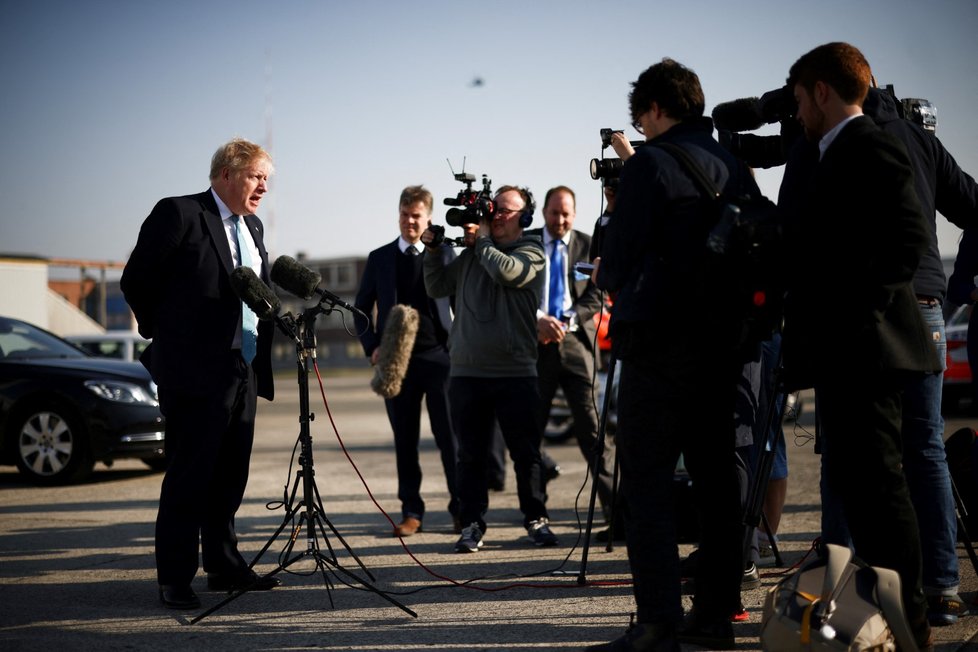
(753, 512)
(311, 515)
(595, 465)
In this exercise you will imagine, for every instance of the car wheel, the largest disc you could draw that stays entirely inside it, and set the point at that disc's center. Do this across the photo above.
(559, 429)
(51, 446)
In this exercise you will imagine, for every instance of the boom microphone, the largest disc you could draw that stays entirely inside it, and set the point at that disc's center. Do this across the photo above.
(301, 281)
(738, 115)
(394, 352)
(255, 294)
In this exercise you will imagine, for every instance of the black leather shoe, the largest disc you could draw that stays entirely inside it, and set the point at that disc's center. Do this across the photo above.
(250, 581)
(642, 638)
(178, 597)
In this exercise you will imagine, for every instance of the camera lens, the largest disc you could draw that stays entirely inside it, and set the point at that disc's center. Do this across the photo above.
(607, 168)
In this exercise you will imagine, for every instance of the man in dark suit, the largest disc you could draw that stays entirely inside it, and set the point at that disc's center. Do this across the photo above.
(210, 360)
(566, 333)
(853, 327)
(393, 275)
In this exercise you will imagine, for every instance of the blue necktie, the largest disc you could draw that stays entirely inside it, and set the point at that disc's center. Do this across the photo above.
(249, 322)
(556, 281)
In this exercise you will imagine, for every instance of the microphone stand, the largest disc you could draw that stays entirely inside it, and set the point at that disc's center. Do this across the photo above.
(312, 517)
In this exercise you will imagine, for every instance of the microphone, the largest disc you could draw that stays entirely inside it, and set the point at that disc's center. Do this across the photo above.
(301, 281)
(396, 344)
(738, 115)
(255, 294)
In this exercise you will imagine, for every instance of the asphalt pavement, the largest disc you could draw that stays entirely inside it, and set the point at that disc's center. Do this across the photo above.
(77, 568)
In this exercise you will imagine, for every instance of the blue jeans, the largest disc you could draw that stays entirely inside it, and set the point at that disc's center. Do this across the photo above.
(925, 466)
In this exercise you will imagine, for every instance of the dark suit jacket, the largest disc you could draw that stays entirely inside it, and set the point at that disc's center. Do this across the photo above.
(177, 282)
(854, 245)
(585, 296)
(378, 288)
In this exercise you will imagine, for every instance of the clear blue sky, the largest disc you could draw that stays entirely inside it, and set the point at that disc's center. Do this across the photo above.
(108, 105)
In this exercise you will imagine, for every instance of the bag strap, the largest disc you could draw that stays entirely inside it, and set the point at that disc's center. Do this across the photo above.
(891, 604)
(686, 161)
(838, 558)
(887, 591)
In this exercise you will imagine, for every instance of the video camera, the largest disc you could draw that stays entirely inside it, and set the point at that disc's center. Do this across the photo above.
(750, 113)
(469, 206)
(607, 170)
(779, 105)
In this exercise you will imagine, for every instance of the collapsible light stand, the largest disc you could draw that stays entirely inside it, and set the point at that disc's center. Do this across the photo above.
(312, 516)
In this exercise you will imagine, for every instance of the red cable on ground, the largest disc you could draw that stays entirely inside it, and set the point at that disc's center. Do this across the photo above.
(466, 584)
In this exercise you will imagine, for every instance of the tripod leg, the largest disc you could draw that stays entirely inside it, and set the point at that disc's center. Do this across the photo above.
(772, 540)
(322, 519)
(595, 464)
(290, 513)
(962, 512)
(762, 472)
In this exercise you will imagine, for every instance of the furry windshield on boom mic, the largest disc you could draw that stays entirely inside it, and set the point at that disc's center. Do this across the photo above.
(294, 277)
(738, 115)
(255, 294)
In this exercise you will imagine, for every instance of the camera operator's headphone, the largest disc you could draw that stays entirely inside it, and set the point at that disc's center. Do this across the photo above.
(526, 217)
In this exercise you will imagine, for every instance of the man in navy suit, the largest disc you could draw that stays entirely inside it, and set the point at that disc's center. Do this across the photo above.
(210, 359)
(853, 326)
(393, 275)
(566, 333)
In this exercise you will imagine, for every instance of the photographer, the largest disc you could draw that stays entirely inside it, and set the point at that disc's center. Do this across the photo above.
(497, 281)
(654, 255)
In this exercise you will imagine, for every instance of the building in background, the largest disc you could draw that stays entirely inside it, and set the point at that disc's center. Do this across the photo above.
(76, 297)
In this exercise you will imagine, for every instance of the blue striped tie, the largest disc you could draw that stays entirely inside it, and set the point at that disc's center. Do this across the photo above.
(249, 321)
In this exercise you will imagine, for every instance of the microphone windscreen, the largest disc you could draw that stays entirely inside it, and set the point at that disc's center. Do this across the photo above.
(294, 277)
(396, 344)
(738, 115)
(255, 294)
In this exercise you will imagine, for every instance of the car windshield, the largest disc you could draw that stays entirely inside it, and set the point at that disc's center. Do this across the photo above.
(19, 341)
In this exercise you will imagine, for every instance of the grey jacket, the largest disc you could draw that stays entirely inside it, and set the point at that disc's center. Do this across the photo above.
(497, 292)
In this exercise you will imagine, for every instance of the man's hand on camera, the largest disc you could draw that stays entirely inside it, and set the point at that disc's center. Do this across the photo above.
(622, 147)
(471, 232)
(427, 237)
(550, 329)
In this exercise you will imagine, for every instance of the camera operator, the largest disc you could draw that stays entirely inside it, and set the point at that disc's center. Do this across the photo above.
(498, 282)
(675, 347)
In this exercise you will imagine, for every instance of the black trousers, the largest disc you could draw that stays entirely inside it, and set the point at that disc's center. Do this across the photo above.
(476, 404)
(208, 442)
(570, 366)
(677, 399)
(426, 380)
(862, 417)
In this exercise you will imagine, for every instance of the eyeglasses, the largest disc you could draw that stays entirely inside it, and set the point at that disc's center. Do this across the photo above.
(503, 212)
(637, 126)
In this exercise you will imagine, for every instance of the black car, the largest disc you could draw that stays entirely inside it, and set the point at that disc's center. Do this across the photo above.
(62, 410)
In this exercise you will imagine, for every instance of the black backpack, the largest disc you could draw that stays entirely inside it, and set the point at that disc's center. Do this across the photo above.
(743, 255)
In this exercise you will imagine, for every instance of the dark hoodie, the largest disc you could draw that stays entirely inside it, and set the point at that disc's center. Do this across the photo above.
(940, 184)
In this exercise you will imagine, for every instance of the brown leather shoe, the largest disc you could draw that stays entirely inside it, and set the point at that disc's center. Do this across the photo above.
(407, 527)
